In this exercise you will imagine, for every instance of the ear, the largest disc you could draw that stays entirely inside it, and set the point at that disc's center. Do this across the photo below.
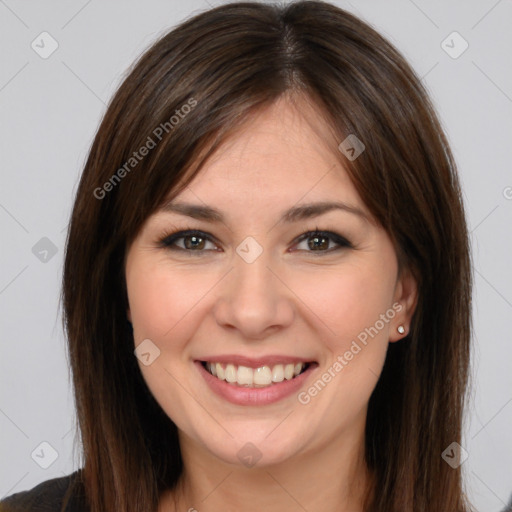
(406, 296)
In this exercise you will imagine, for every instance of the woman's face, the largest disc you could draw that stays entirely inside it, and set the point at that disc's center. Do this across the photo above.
(252, 292)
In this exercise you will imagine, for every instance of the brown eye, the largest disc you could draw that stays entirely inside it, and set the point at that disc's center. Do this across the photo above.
(194, 242)
(322, 241)
(190, 241)
(316, 243)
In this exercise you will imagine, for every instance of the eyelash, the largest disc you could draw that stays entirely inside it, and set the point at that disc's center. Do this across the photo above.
(168, 240)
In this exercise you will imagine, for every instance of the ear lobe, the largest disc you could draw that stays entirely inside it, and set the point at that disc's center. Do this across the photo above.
(406, 293)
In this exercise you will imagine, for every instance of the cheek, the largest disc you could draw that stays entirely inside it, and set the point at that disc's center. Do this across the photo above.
(349, 306)
(163, 301)
(349, 300)
(161, 297)
(152, 302)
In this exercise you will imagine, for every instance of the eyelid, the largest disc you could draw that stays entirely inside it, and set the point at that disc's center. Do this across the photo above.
(340, 240)
(167, 239)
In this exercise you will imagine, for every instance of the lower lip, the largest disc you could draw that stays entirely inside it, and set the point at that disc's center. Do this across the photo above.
(240, 395)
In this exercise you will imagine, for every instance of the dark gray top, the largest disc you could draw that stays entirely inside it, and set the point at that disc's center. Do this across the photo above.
(49, 496)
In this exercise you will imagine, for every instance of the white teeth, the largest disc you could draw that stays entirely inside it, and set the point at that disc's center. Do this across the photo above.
(288, 371)
(258, 377)
(262, 376)
(244, 376)
(278, 373)
(230, 373)
(221, 374)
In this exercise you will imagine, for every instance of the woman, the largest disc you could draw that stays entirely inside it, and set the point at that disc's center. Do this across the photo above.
(267, 282)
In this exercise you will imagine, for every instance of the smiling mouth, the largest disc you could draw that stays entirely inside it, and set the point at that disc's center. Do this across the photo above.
(262, 377)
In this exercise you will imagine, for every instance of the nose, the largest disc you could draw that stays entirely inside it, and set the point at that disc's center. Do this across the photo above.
(253, 299)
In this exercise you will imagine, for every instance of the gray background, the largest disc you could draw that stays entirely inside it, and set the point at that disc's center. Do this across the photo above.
(50, 109)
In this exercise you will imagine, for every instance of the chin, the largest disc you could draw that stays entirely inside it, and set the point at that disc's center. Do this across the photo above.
(252, 449)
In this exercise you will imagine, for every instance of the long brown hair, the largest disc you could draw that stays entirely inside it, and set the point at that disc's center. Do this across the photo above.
(224, 65)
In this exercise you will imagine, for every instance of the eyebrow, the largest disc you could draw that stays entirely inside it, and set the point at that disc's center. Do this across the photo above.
(294, 214)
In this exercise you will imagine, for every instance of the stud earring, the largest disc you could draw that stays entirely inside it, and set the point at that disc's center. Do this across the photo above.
(401, 329)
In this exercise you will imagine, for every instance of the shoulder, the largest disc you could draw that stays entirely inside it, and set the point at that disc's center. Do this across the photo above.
(49, 496)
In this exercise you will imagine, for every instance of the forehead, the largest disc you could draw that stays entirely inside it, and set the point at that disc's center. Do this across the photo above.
(282, 155)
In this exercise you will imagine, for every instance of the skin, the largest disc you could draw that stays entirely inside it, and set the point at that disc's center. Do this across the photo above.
(291, 300)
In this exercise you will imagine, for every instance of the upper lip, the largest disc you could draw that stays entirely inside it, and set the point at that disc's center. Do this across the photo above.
(255, 362)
